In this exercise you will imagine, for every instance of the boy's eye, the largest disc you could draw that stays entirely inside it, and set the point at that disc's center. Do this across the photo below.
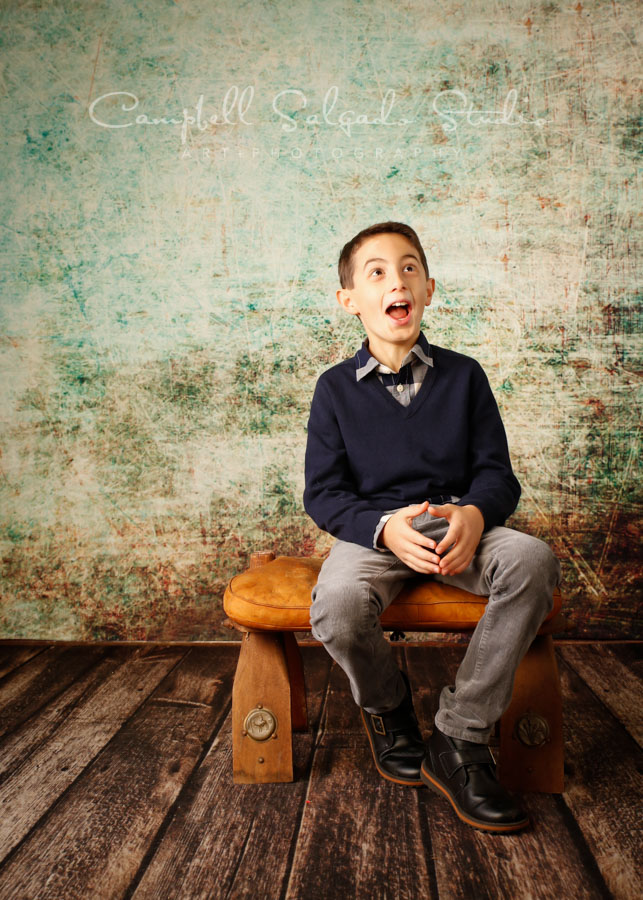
(379, 271)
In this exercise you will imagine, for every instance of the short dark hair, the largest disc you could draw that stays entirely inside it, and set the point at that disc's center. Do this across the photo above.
(345, 267)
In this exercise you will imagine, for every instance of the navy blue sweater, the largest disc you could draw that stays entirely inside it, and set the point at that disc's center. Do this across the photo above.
(366, 453)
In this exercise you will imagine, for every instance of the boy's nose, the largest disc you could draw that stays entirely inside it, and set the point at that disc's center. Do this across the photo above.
(397, 282)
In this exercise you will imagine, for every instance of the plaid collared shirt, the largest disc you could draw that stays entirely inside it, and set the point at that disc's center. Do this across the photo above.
(404, 384)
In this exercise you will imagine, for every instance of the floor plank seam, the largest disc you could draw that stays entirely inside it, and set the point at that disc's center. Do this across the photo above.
(47, 736)
(424, 825)
(183, 795)
(192, 704)
(584, 850)
(292, 852)
(239, 860)
(427, 840)
(622, 725)
(17, 668)
(53, 697)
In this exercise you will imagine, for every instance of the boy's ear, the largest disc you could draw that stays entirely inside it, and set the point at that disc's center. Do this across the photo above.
(430, 287)
(344, 299)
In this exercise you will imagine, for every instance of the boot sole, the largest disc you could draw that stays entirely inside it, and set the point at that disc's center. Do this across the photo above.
(432, 782)
(381, 771)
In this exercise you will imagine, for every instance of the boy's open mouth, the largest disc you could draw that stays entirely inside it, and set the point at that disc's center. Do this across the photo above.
(399, 310)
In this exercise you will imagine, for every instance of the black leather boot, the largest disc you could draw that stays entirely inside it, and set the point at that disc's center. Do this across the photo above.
(465, 773)
(396, 742)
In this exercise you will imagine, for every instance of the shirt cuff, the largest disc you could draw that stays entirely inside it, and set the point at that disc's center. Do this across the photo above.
(382, 522)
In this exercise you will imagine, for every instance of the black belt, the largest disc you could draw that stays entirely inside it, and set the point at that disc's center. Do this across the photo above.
(440, 499)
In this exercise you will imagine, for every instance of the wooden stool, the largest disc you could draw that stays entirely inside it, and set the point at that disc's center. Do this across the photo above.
(272, 600)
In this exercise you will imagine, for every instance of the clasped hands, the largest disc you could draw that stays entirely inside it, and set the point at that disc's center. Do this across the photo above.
(421, 553)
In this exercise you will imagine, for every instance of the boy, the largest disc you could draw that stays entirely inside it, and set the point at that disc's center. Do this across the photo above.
(407, 466)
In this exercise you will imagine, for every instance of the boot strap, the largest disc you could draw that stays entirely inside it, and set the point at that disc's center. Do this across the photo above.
(390, 722)
(452, 760)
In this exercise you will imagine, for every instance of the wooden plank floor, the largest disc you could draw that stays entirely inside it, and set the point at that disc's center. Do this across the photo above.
(116, 781)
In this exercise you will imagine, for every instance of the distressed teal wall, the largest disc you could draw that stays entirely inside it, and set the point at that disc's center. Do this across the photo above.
(168, 289)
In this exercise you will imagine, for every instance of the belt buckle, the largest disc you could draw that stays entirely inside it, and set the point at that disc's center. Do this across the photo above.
(378, 723)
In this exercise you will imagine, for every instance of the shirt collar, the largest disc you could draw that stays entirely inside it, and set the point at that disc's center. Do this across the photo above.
(365, 362)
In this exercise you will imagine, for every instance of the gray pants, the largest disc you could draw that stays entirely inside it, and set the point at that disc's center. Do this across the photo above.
(517, 572)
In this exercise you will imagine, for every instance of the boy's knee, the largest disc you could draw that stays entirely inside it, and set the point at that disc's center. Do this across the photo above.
(541, 560)
(542, 568)
(337, 612)
(531, 561)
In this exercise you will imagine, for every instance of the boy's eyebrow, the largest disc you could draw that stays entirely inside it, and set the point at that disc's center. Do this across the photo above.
(381, 259)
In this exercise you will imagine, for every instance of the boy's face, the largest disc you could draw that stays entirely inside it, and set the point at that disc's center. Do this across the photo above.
(390, 291)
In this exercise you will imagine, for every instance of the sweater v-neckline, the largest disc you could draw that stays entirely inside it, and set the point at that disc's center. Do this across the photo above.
(417, 401)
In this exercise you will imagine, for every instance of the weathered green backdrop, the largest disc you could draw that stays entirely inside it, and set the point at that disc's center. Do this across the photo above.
(177, 182)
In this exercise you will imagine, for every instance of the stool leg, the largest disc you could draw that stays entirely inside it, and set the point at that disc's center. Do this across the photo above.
(297, 684)
(531, 730)
(261, 711)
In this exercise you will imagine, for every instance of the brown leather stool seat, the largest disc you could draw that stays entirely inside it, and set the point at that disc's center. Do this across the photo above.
(276, 597)
(272, 600)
